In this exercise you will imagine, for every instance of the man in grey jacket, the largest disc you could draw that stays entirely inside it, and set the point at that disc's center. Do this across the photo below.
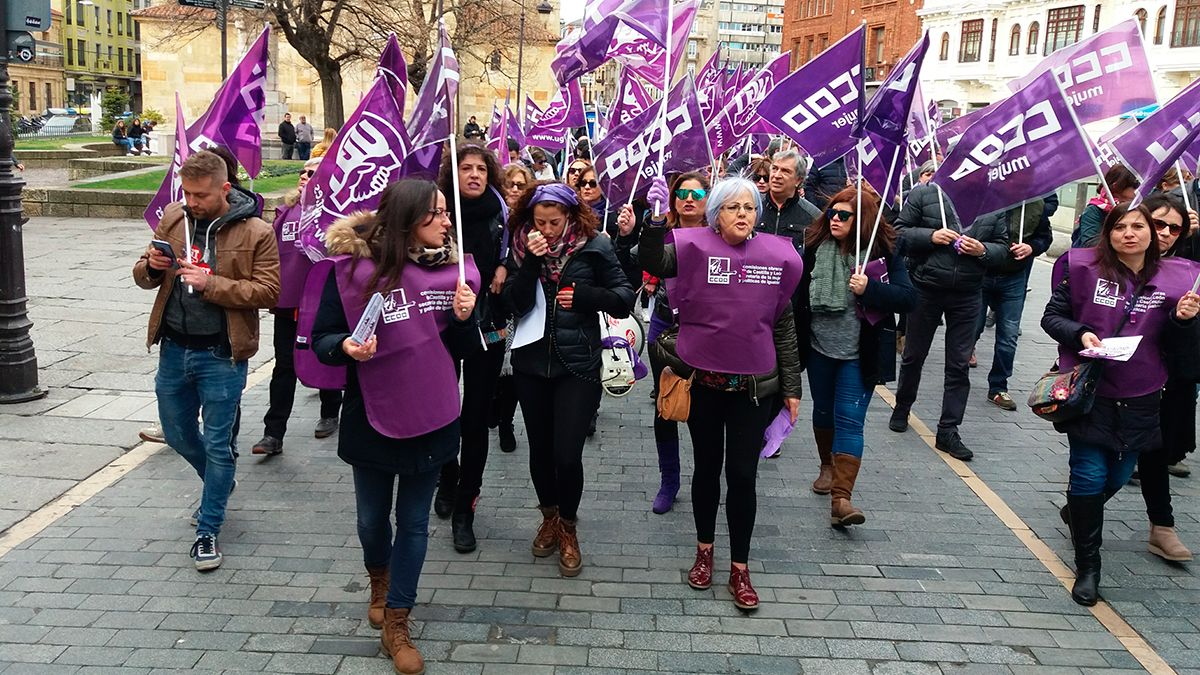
(304, 138)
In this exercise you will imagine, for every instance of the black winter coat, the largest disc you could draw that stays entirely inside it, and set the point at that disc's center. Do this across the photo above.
(822, 184)
(571, 343)
(1038, 235)
(789, 221)
(483, 231)
(940, 267)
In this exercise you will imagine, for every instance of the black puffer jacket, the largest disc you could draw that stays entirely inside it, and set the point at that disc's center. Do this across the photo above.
(571, 343)
(941, 267)
(790, 220)
(483, 230)
(823, 183)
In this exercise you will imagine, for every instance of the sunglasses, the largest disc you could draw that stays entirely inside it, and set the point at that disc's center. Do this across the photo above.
(308, 173)
(587, 184)
(697, 195)
(1164, 225)
(575, 169)
(761, 178)
(839, 214)
(517, 186)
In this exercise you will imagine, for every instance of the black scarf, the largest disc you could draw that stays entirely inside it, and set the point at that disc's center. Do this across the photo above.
(481, 209)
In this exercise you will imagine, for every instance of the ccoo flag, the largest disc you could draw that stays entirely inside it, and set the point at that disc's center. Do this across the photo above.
(887, 113)
(1023, 147)
(171, 189)
(234, 118)
(1153, 146)
(817, 105)
(739, 117)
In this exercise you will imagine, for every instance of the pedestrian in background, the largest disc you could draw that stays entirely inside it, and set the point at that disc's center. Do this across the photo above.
(326, 141)
(304, 139)
(287, 135)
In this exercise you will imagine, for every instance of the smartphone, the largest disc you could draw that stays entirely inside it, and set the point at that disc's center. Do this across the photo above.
(164, 248)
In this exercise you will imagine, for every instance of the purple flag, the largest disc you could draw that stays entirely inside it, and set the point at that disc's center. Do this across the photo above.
(632, 34)
(365, 157)
(595, 10)
(877, 155)
(887, 114)
(171, 189)
(817, 105)
(948, 133)
(709, 86)
(1024, 147)
(631, 99)
(532, 113)
(1103, 75)
(394, 69)
(739, 117)
(619, 154)
(1105, 154)
(496, 137)
(650, 63)
(234, 118)
(1157, 142)
(564, 113)
(424, 162)
(430, 121)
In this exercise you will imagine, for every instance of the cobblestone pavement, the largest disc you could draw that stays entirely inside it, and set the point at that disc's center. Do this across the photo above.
(934, 581)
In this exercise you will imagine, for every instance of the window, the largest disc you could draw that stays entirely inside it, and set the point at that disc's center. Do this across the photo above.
(120, 24)
(972, 41)
(945, 52)
(68, 8)
(108, 64)
(494, 60)
(33, 96)
(70, 49)
(108, 15)
(1063, 27)
(129, 58)
(877, 41)
(693, 50)
(808, 48)
(1033, 39)
(691, 70)
(81, 56)
(96, 63)
(97, 18)
(121, 60)
(1014, 40)
(49, 100)
(139, 64)
(1096, 21)
(79, 12)
(1160, 25)
(1141, 15)
(992, 48)
(137, 30)
(1185, 31)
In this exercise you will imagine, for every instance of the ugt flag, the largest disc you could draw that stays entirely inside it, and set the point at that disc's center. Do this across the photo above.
(739, 117)
(393, 68)
(1103, 75)
(365, 157)
(234, 118)
(709, 87)
(1157, 142)
(171, 189)
(1024, 147)
(817, 105)
(564, 113)
(631, 99)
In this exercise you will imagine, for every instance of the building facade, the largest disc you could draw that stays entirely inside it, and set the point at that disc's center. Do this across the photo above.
(893, 27)
(102, 47)
(977, 48)
(41, 83)
(751, 31)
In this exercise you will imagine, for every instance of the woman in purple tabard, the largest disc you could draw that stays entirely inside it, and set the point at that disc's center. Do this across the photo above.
(400, 415)
(1095, 289)
(846, 350)
(732, 291)
(558, 265)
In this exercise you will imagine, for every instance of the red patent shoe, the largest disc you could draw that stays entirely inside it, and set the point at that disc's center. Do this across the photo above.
(743, 593)
(700, 576)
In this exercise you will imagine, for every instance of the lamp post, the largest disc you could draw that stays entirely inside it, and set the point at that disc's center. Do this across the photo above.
(542, 8)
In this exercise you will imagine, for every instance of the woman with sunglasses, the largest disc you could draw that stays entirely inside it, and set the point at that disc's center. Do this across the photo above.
(515, 179)
(405, 252)
(844, 323)
(1122, 286)
(609, 218)
(556, 254)
(576, 169)
(737, 337)
(759, 171)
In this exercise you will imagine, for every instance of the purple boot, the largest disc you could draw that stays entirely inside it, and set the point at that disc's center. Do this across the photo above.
(668, 464)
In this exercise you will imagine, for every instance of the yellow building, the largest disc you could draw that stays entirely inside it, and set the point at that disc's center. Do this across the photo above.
(100, 41)
(40, 84)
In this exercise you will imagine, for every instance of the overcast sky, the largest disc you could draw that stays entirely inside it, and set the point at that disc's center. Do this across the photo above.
(569, 10)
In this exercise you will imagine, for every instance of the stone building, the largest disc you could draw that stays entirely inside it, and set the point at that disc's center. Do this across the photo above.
(40, 83)
(893, 27)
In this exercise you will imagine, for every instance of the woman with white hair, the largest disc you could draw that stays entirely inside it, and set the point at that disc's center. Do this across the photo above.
(737, 344)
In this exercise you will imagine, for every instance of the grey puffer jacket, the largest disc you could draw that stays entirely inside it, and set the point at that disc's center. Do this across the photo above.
(941, 267)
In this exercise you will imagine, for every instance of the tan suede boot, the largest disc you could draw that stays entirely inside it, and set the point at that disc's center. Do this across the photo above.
(1164, 543)
(841, 511)
(570, 559)
(379, 589)
(398, 645)
(546, 539)
(824, 481)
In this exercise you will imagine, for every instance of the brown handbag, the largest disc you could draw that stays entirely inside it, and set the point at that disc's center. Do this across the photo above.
(674, 396)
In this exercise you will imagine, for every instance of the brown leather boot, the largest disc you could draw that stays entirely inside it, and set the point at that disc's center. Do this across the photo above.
(1164, 543)
(570, 560)
(379, 589)
(841, 511)
(824, 481)
(546, 540)
(397, 643)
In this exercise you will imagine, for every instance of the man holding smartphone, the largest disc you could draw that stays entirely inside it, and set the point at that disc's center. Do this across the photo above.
(215, 264)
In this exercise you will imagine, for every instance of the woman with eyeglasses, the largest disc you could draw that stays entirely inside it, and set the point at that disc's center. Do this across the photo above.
(1121, 286)
(405, 252)
(845, 323)
(560, 266)
(737, 343)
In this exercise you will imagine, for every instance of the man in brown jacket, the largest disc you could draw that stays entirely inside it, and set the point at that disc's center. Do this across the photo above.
(220, 266)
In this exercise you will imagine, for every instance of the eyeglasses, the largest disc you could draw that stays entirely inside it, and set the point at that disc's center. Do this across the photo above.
(738, 208)
(683, 193)
(839, 214)
(761, 178)
(587, 184)
(1164, 225)
(438, 212)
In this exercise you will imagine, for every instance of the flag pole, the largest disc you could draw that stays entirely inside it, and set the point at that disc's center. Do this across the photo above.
(1021, 225)
(908, 170)
(933, 156)
(458, 231)
(879, 211)
(858, 198)
(1183, 186)
(662, 110)
(1087, 141)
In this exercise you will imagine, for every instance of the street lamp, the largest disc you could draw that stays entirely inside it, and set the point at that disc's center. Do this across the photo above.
(543, 7)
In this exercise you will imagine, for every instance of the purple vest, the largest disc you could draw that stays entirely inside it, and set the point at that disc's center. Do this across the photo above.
(728, 299)
(1100, 304)
(309, 369)
(293, 264)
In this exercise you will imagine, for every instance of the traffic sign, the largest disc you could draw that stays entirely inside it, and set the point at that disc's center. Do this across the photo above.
(21, 45)
(249, 4)
(32, 15)
(203, 4)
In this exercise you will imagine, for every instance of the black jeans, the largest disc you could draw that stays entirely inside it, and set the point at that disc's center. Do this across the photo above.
(556, 413)
(283, 379)
(961, 310)
(665, 431)
(480, 373)
(726, 427)
(504, 404)
(1177, 416)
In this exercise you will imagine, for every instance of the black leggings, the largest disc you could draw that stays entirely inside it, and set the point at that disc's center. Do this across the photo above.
(665, 431)
(556, 413)
(726, 427)
(504, 404)
(479, 375)
(283, 379)
(1177, 415)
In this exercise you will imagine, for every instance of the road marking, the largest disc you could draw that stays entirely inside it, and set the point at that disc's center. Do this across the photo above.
(1134, 643)
(31, 525)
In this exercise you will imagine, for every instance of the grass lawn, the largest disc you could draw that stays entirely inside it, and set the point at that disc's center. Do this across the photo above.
(149, 182)
(56, 143)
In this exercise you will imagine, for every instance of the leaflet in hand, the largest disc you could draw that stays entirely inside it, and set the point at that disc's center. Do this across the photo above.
(1114, 348)
(370, 318)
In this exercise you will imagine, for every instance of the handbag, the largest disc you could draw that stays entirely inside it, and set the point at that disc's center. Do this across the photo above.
(674, 396)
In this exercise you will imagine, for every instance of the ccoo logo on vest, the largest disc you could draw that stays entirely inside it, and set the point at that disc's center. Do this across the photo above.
(396, 306)
(719, 270)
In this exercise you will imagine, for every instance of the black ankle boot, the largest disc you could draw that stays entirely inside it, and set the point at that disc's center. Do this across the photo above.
(443, 501)
(463, 527)
(508, 437)
(1087, 526)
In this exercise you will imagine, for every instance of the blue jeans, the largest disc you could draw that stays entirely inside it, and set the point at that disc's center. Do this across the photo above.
(1096, 470)
(208, 383)
(404, 555)
(839, 401)
(1006, 295)
(303, 150)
